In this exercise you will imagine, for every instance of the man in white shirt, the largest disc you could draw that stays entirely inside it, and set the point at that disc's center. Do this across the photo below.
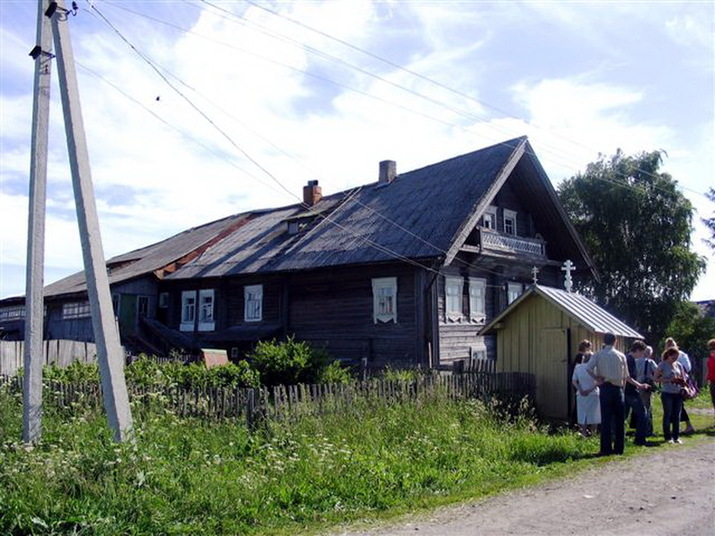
(608, 366)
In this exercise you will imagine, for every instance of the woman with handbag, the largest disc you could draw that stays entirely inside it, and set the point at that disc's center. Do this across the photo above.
(671, 376)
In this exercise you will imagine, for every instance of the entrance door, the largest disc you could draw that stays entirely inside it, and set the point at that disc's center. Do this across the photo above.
(128, 314)
(552, 386)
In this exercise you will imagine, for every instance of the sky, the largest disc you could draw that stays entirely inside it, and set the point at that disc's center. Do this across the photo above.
(195, 110)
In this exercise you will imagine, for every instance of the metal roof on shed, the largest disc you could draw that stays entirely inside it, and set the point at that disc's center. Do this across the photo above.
(592, 316)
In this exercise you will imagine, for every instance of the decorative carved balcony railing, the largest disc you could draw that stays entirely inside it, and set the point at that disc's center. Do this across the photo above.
(493, 240)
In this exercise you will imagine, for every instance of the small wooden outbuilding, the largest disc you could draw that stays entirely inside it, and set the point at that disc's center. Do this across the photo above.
(539, 333)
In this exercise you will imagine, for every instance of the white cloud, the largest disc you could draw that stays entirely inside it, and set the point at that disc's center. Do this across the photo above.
(160, 167)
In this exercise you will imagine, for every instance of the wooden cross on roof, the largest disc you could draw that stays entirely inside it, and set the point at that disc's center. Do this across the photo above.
(534, 272)
(568, 267)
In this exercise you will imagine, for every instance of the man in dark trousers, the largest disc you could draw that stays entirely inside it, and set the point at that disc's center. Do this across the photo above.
(633, 399)
(610, 369)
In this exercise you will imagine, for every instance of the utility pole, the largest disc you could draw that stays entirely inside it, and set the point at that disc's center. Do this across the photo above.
(106, 335)
(34, 280)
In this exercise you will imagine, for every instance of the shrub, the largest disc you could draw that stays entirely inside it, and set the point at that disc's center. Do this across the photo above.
(401, 375)
(234, 375)
(288, 362)
(335, 373)
(75, 372)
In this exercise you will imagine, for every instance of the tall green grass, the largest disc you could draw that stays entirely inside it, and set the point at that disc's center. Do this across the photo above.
(187, 476)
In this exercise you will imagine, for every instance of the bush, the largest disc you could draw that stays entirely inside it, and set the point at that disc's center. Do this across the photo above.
(75, 372)
(234, 375)
(288, 362)
(335, 373)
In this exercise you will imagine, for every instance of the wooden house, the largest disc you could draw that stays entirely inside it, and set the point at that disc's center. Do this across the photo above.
(403, 270)
(539, 333)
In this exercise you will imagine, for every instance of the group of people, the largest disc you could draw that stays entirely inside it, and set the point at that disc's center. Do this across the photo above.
(610, 386)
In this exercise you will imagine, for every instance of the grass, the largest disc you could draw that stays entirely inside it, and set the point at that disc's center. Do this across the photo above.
(188, 476)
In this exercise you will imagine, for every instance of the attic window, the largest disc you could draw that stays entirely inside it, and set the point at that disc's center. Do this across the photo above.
(298, 226)
(489, 219)
(510, 222)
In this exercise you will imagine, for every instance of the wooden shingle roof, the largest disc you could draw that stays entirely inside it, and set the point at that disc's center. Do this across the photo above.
(419, 216)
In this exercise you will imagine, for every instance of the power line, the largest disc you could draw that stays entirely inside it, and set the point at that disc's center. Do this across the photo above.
(377, 246)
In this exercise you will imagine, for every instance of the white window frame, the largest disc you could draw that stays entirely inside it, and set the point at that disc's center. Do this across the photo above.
(13, 312)
(489, 218)
(384, 299)
(453, 298)
(253, 303)
(513, 291)
(477, 300)
(188, 310)
(510, 221)
(206, 309)
(479, 350)
(74, 310)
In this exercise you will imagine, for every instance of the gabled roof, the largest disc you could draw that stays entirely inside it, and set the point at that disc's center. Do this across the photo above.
(421, 215)
(590, 315)
(164, 256)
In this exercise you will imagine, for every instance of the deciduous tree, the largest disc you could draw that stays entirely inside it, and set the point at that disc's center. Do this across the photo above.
(637, 226)
(710, 222)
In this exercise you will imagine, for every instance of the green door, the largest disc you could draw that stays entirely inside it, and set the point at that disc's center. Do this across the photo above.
(552, 389)
(128, 315)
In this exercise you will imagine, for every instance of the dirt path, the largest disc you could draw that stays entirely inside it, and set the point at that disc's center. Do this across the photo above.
(670, 491)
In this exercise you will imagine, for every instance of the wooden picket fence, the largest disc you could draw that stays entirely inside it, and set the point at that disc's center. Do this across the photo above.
(290, 402)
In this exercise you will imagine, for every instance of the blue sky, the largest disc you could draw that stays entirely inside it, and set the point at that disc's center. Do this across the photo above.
(325, 90)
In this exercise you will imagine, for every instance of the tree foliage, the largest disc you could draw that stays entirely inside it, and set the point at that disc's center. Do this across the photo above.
(636, 226)
(692, 329)
(710, 222)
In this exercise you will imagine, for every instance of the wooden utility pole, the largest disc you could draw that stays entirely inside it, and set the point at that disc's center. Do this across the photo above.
(34, 280)
(106, 335)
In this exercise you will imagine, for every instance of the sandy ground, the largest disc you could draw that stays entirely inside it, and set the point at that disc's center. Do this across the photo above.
(669, 490)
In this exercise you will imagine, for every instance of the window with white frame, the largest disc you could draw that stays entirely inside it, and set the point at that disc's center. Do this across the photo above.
(489, 219)
(253, 303)
(477, 300)
(384, 298)
(14, 312)
(188, 310)
(453, 291)
(510, 221)
(75, 310)
(206, 309)
(513, 291)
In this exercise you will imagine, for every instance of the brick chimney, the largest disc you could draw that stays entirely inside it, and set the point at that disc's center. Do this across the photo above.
(312, 193)
(388, 171)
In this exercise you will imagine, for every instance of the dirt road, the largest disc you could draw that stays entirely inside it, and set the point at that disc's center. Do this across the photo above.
(669, 491)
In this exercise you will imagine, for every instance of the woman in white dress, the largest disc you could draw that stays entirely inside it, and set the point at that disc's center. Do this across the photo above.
(588, 408)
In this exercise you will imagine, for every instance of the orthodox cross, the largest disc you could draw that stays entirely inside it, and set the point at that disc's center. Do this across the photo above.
(534, 272)
(568, 267)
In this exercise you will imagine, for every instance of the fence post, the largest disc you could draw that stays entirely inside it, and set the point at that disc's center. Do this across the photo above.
(251, 409)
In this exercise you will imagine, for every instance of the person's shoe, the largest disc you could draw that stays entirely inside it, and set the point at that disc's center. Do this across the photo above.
(689, 429)
(678, 441)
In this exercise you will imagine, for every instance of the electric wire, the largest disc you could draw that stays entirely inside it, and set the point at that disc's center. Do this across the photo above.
(371, 243)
